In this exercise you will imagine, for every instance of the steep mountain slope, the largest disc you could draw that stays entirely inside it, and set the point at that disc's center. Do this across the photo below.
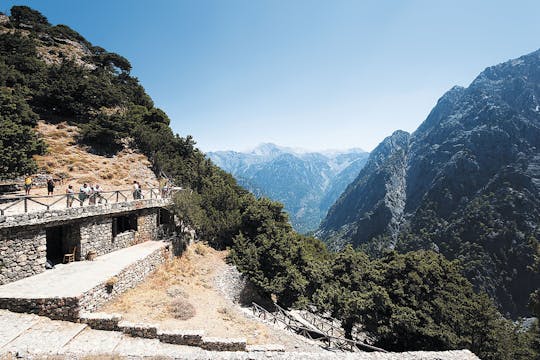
(306, 183)
(465, 183)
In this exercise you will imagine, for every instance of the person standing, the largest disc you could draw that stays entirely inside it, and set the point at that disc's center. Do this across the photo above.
(50, 187)
(97, 193)
(136, 190)
(27, 184)
(70, 196)
(84, 193)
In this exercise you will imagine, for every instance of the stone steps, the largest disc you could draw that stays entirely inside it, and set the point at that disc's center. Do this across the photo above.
(30, 336)
(114, 322)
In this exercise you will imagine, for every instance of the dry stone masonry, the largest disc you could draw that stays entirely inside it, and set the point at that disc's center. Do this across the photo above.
(70, 308)
(28, 240)
(22, 253)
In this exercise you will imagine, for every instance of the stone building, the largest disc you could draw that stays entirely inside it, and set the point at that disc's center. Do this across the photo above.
(27, 241)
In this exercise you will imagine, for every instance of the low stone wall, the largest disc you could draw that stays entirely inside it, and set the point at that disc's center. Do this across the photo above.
(103, 321)
(54, 308)
(147, 331)
(219, 344)
(181, 337)
(124, 280)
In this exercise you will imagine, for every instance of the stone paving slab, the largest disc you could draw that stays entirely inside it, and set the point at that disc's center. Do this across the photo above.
(76, 278)
(13, 325)
(91, 341)
(45, 336)
(130, 346)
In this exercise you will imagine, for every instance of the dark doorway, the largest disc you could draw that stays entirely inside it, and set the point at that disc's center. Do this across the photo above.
(124, 223)
(166, 221)
(55, 248)
(61, 240)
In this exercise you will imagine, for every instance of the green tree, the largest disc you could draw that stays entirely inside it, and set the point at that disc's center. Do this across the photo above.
(429, 303)
(18, 141)
(28, 16)
(351, 293)
(265, 251)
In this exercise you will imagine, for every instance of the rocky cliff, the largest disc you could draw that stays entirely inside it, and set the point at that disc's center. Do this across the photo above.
(465, 183)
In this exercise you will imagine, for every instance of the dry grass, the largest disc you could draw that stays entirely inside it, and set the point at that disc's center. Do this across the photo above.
(68, 159)
(166, 295)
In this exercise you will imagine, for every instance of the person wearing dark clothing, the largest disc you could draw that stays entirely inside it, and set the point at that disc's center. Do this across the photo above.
(50, 187)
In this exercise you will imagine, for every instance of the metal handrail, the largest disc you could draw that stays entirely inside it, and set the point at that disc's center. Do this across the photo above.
(104, 196)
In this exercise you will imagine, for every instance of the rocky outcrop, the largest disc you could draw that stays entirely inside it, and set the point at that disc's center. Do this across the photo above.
(465, 183)
(358, 215)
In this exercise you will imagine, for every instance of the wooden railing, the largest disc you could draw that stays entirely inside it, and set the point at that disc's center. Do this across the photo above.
(321, 324)
(330, 342)
(26, 204)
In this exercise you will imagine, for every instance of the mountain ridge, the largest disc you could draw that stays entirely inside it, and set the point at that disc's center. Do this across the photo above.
(475, 156)
(306, 182)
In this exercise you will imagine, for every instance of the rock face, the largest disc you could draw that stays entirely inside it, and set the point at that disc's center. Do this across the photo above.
(465, 183)
(306, 183)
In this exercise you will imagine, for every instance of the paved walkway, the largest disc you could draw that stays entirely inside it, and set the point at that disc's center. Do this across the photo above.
(76, 278)
(32, 336)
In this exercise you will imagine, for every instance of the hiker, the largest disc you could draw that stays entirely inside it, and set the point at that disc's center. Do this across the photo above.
(50, 187)
(97, 193)
(91, 196)
(136, 190)
(70, 196)
(27, 184)
(84, 193)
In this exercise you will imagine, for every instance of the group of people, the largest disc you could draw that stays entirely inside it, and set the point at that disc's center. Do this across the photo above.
(93, 193)
(86, 192)
(28, 184)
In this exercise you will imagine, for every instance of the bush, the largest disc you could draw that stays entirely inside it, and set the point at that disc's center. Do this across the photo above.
(182, 309)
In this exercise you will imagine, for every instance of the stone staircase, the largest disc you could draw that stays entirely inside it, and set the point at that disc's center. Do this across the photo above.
(37, 335)
(29, 336)
(114, 322)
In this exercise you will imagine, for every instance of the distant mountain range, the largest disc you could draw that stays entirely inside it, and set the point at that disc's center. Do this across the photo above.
(466, 183)
(307, 183)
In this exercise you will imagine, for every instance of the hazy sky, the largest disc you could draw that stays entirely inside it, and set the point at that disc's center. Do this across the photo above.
(311, 74)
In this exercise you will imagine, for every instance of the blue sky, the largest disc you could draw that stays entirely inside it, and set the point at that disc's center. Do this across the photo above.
(311, 74)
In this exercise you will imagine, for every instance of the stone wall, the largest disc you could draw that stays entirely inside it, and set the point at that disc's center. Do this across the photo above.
(124, 240)
(22, 253)
(96, 235)
(147, 225)
(23, 238)
(125, 280)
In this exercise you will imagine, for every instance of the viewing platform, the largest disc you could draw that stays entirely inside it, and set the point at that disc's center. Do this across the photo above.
(29, 210)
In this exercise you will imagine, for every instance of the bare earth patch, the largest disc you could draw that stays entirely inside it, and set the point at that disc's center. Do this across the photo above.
(189, 280)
